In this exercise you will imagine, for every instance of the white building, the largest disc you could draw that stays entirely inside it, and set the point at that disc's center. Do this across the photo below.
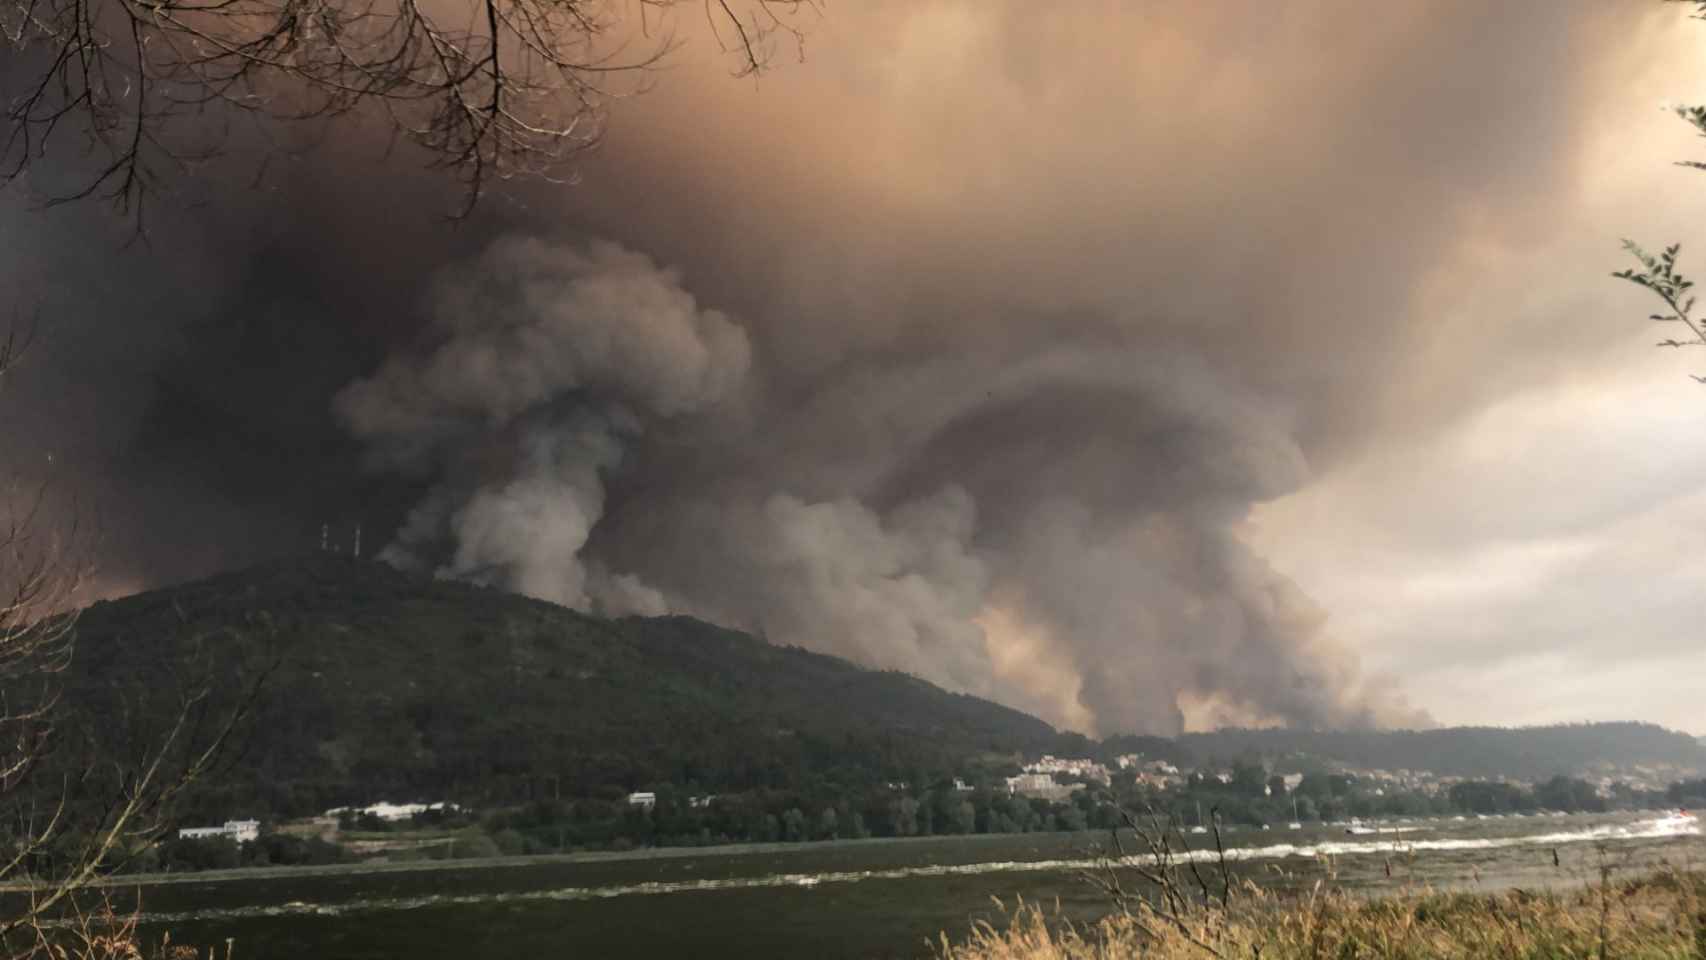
(648, 799)
(241, 831)
(1027, 783)
(393, 811)
(1042, 786)
(1088, 769)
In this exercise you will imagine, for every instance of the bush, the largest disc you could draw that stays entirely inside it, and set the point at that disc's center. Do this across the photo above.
(510, 842)
(200, 853)
(474, 846)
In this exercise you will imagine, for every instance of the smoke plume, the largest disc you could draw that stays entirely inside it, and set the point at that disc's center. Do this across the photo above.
(543, 363)
(973, 346)
(1091, 490)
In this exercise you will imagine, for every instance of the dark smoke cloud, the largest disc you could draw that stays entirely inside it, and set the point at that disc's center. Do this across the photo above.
(1092, 486)
(965, 348)
(548, 362)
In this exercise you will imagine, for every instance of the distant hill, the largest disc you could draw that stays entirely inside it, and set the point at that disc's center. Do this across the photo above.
(393, 686)
(1523, 753)
(388, 686)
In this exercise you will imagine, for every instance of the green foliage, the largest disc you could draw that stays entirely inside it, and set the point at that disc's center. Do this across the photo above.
(541, 720)
(1568, 794)
(391, 687)
(1524, 753)
(1658, 274)
(1688, 792)
(200, 853)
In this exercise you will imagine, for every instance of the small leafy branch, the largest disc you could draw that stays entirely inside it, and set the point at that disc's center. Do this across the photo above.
(1659, 275)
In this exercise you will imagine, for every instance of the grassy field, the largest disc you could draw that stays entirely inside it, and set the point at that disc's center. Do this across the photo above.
(1658, 917)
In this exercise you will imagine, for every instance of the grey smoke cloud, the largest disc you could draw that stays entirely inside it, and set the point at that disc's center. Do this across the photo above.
(1092, 484)
(1035, 354)
(529, 322)
(900, 589)
(542, 362)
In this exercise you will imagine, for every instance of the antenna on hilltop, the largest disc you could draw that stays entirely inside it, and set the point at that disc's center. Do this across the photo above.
(325, 528)
(357, 550)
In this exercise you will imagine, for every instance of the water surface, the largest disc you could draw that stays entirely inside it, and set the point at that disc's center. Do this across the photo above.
(873, 898)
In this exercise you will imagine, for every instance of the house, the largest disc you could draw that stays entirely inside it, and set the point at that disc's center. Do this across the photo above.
(393, 811)
(1088, 769)
(1030, 782)
(648, 799)
(242, 831)
(1041, 785)
(961, 785)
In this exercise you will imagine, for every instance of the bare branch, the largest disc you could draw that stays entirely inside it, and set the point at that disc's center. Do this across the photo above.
(493, 90)
(69, 816)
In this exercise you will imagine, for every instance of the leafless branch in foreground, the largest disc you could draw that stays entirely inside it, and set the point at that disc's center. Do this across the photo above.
(488, 89)
(76, 805)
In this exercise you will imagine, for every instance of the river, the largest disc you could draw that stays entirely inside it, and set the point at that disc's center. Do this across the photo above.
(853, 899)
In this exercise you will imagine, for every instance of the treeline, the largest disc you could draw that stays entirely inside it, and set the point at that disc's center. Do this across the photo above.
(1253, 799)
(183, 854)
(781, 816)
(379, 685)
(1521, 753)
(1687, 792)
(383, 686)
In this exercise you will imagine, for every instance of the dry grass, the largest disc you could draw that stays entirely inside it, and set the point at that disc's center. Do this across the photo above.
(97, 931)
(1662, 917)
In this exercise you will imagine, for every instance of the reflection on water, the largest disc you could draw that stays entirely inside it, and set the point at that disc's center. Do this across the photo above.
(867, 898)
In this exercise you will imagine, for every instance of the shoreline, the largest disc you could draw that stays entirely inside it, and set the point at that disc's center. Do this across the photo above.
(1318, 837)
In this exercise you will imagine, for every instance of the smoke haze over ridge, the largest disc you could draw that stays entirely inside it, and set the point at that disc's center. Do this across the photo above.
(1015, 351)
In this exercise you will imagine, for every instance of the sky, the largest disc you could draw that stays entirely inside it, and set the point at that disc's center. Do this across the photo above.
(1148, 367)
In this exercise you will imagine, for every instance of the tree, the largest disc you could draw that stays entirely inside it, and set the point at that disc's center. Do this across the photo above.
(1249, 778)
(76, 803)
(1687, 792)
(794, 825)
(965, 817)
(1658, 273)
(487, 89)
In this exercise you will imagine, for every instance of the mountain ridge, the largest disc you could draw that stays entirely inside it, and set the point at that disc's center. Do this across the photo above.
(388, 685)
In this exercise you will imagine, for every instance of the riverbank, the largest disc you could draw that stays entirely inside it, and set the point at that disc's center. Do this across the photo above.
(1659, 916)
(851, 900)
(1038, 851)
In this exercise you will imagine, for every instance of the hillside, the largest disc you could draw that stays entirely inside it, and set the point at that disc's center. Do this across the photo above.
(382, 685)
(392, 686)
(1522, 753)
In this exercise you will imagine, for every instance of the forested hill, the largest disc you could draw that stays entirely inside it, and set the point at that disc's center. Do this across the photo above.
(386, 685)
(1522, 753)
(382, 685)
